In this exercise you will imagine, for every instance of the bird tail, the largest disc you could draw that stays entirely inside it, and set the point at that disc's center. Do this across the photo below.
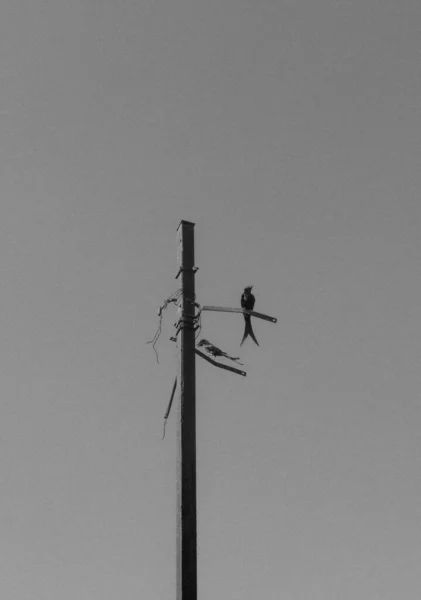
(236, 359)
(248, 331)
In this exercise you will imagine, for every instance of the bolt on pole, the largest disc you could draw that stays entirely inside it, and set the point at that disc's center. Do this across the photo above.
(186, 423)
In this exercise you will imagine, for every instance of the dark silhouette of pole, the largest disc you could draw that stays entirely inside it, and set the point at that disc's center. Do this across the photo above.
(186, 426)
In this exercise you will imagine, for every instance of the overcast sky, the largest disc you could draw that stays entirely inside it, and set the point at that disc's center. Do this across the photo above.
(289, 132)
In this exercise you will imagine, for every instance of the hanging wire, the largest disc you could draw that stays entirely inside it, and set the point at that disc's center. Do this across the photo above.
(198, 322)
(169, 406)
(171, 299)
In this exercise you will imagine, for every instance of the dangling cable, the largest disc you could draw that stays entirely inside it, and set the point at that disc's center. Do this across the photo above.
(198, 321)
(169, 406)
(173, 298)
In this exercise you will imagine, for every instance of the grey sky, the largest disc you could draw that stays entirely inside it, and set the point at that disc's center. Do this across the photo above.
(289, 132)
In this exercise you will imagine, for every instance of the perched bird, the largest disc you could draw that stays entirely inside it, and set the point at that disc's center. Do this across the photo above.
(214, 351)
(247, 302)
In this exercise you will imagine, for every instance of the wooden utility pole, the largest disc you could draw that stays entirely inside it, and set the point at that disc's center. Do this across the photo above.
(186, 427)
(186, 420)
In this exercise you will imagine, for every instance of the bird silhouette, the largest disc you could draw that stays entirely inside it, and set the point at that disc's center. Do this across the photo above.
(247, 302)
(215, 351)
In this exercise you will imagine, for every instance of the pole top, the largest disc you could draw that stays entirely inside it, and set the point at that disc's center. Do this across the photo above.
(185, 223)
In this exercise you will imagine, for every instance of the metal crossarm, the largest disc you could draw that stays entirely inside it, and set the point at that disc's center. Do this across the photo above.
(220, 365)
(252, 313)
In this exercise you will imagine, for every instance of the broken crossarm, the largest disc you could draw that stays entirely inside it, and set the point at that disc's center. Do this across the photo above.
(252, 313)
(220, 365)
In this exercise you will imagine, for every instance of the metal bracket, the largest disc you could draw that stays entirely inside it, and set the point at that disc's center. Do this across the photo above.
(193, 270)
(186, 320)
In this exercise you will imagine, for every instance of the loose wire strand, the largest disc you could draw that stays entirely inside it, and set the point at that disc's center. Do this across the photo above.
(171, 299)
(198, 320)
(169, 406)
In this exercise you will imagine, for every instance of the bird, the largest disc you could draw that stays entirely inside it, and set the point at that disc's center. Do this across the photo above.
(247, 302)
(215, 351)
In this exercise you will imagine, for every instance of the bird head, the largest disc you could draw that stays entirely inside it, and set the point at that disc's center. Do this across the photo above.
(203, 343)
(247, 290)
